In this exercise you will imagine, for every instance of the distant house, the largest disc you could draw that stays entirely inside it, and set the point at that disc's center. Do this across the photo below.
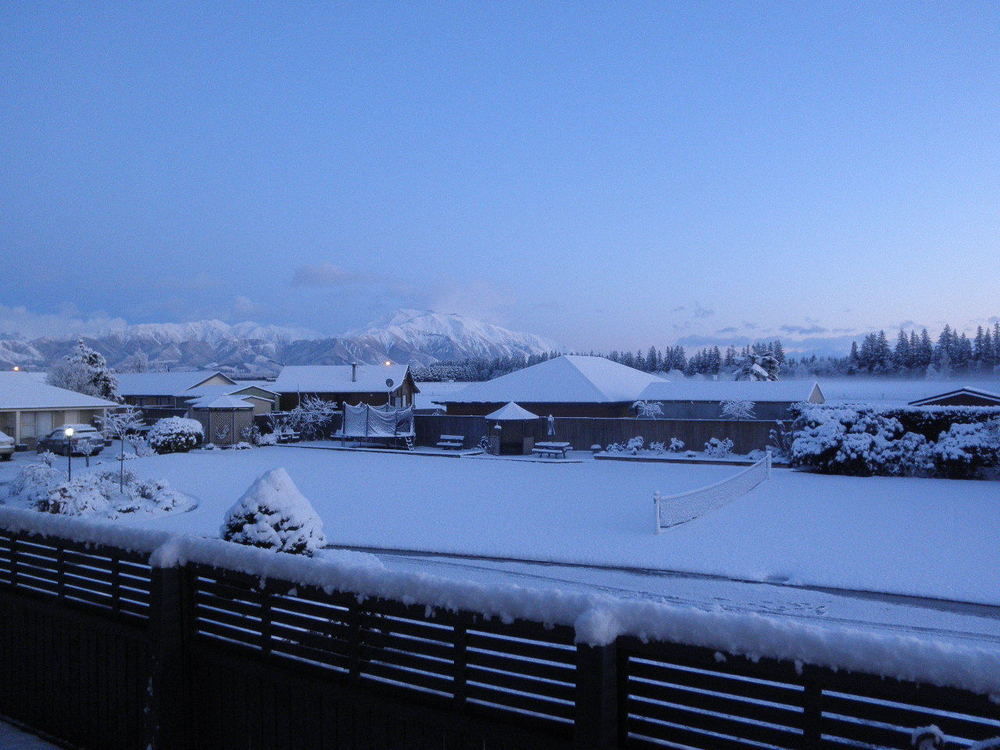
(353, 384)
(30, 408)
(566, 386)
(161, 392)
(964, 396)
(703, 399)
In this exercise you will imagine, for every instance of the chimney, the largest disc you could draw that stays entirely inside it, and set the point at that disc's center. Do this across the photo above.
(354, 372)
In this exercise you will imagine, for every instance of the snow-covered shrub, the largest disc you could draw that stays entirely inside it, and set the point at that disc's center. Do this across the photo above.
(634, 445)
(596, 448)
(690, 454)
(273, 514)
(718, 448)
(615, 448)
(858, 443)
(964, 449)
(208, 447)
(657, 446)
(648, 409)
(780, 441)
(84, 495)
(34, 482)
(242, 446)
(268, 438)
(140, 446)
(737, 409)
(175, 435)
(161, 494)
(676, 445)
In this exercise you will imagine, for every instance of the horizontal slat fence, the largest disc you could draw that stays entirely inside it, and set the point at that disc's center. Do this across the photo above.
(583, 432)
(101, 650)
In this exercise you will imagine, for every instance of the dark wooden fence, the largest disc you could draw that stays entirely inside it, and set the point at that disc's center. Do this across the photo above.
(104, 651)
(583, 432)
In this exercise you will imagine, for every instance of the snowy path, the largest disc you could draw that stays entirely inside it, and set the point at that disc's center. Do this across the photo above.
(12, 738)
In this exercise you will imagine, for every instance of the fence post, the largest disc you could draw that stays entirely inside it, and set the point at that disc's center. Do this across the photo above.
(596, 726)
(166, 716)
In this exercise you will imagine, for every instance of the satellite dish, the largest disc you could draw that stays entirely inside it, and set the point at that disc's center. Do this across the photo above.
(389, 382)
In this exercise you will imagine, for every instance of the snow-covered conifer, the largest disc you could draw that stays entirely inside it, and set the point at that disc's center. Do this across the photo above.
(273, 514)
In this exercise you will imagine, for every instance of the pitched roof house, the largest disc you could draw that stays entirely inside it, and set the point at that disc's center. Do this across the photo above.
(31, 408)
(964, 396)
(566, 386)
(353, 384)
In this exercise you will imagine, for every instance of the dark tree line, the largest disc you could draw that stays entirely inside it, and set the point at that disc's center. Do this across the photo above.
(911, 355)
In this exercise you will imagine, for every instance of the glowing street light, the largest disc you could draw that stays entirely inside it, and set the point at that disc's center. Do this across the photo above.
(68, 432)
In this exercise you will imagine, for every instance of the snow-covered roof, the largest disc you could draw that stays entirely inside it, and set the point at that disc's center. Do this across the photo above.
(511, 412)
(221, 402)
(566, 379)
(963, 391)
(17, 391)
(432, 392)
(734, 390)
(337, 378)
(163, 383)
(223, 390)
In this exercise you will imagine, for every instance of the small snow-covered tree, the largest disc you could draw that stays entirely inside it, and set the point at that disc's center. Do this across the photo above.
(85, 370)
(648, 409)
(737, 409)
(273, 514)
(121, 423)
(718, 448)
(757, 366)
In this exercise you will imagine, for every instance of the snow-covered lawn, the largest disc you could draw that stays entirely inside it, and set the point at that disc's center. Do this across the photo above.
(922, 537)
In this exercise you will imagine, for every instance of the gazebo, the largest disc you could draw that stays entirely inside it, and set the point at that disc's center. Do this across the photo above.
(517, 430)
(223, 418)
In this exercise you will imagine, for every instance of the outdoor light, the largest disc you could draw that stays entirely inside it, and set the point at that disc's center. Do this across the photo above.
(388, 362)
(68, 432)
(16, 368)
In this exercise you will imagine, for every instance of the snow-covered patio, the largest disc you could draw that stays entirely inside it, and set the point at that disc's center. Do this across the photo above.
(921, 537)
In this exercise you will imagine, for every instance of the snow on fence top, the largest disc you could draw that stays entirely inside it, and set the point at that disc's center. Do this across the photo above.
(598, 618)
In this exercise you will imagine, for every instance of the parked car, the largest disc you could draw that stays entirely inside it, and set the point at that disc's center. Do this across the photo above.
(84, 437)
(6, 446)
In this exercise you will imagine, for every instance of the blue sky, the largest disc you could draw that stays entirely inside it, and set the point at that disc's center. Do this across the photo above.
(605, 174)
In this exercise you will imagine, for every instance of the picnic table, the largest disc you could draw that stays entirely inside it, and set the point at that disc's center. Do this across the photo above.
(451, 441)
(551, 449)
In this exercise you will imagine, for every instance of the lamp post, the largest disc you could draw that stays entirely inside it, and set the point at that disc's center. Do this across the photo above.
(68, 432)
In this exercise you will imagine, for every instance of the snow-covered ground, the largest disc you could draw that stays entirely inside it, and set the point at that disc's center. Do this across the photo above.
(12, 738)
(918, 537)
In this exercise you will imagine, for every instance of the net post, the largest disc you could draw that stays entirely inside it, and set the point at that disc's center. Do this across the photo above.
(656, 507)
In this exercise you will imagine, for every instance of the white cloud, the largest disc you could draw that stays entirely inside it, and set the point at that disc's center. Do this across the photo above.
(322, 274)
(22, 322)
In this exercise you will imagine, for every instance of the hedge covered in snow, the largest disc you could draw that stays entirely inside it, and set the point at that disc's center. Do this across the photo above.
(863, 440)
(175, 435)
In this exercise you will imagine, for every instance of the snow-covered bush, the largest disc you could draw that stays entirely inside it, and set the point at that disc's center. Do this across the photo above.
(615, 448)
(35, 481)
(175, 435)
(718, 448)
(242, 446)
(648, 409)
(80, 496)
(657, 446)
(634, 445)
(690, 454)
(267, 438)
(140, 446)
(857, 442)
(676, 445)
(596, 448)
(208, 447)
(964, 449)
(780, 441)
(273, 514)
(737, 409)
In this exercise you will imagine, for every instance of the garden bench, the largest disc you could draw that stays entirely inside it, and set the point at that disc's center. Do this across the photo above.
(451, 441)
(551, 450)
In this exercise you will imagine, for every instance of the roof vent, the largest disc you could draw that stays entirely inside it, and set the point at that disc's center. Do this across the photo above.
(354, 372)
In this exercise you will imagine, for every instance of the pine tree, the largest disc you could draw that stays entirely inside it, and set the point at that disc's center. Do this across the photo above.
(85, 371)
(901, 356)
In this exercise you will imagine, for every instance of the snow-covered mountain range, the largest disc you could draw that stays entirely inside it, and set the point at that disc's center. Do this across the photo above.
(414, 337)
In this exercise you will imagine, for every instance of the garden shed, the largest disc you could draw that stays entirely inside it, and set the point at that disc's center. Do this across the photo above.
(226, 420)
